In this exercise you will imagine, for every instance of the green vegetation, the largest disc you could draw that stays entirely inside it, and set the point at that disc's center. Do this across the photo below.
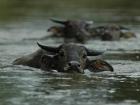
(16, 9)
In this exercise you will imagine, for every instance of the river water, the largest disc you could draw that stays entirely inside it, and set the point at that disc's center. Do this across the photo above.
(21, 85)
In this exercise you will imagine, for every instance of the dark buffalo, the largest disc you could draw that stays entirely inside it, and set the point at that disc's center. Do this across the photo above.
(80, 31)
(64, 58)
(72, 30)
(111, 32)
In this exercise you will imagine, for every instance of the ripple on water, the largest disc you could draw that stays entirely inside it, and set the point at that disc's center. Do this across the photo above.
(20, 85)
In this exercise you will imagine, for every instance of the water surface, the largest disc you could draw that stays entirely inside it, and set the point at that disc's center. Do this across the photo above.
(21, 85)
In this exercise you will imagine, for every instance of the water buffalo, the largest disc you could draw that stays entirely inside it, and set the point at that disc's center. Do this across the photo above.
(64, 58)
(128, 34)
(80, 31)
(75, 30)
(111, 32)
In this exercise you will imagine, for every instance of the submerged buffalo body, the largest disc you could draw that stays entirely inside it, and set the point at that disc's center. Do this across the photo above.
(64, 58)
(111, 32)
(81, 31)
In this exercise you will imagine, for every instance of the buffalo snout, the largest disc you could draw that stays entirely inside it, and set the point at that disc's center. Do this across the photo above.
(74, 66)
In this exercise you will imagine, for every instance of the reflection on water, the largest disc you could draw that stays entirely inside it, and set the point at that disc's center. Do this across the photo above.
(23, 19)
(127, 88)
(21, 85)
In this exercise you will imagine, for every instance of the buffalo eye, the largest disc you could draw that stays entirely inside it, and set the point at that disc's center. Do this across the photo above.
(61, 53)
(84, 56)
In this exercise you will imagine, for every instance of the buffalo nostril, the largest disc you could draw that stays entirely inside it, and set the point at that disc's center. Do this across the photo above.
(78, 65)
(69, 64)
(74, 64)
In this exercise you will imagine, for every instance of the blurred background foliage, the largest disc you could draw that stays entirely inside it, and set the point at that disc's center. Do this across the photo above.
(89, 9)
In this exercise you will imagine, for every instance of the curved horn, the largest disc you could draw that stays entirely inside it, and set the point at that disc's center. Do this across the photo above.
(59, 21)
(124, 28)
(100, 27)
(93, 52)
(90, 22)
(48, 48)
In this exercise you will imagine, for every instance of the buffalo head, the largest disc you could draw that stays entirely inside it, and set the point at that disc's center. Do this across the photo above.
(75, 29)
(109, 32)
(68, 58)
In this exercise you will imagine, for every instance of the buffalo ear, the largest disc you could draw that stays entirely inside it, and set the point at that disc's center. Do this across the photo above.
(98, 65)
(48, 62)
(46, 59)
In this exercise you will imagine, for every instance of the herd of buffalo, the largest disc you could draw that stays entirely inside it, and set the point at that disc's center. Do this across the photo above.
(71, 56)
